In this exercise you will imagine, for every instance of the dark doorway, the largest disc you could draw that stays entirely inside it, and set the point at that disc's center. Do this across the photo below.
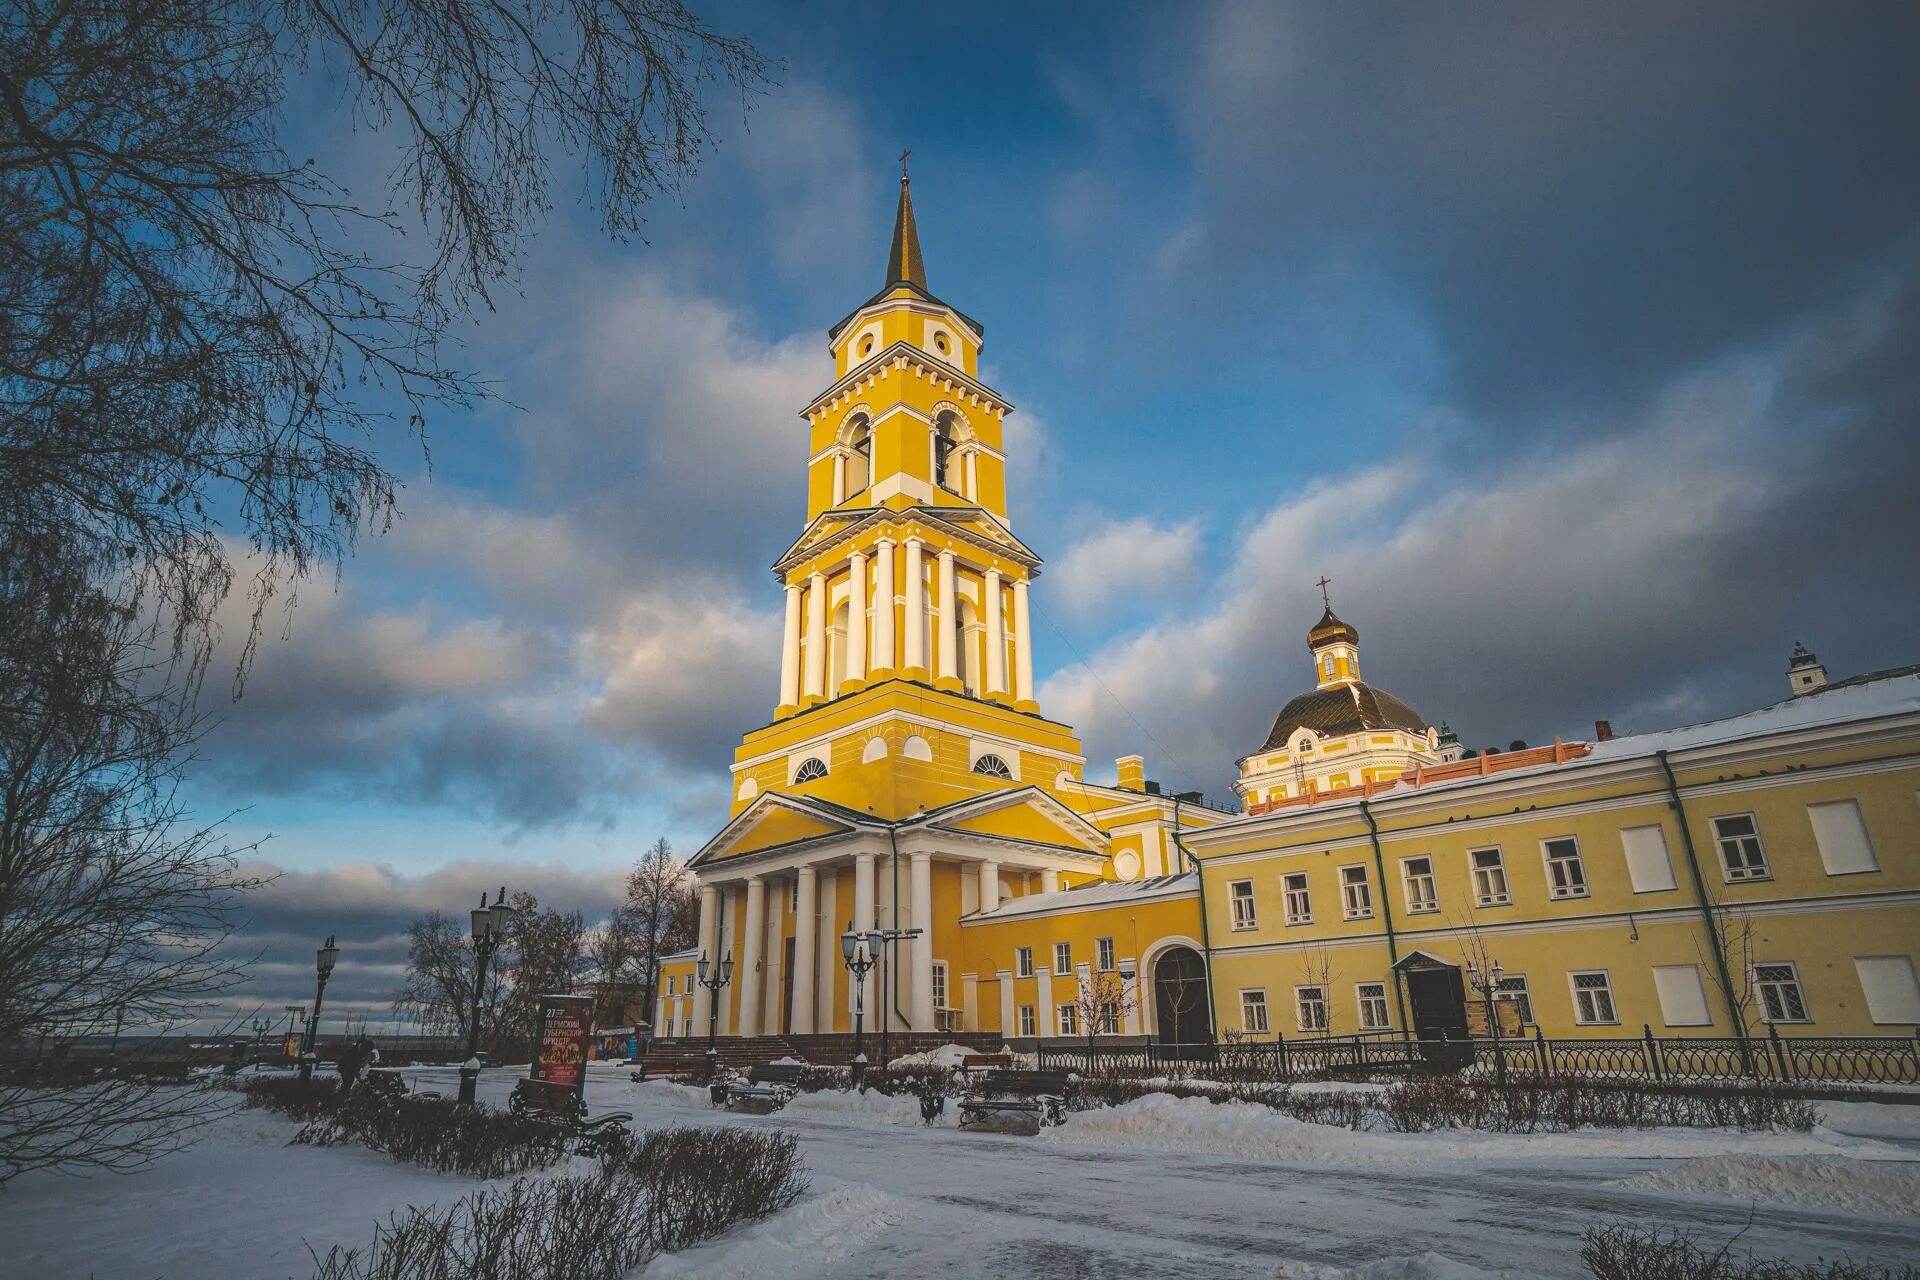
(786, 992)
(1180, 999)
(1437, 1003)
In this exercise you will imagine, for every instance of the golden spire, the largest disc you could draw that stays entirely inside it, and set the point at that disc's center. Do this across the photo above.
(904, 264)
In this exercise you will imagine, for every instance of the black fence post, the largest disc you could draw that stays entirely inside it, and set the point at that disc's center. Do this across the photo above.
(1542, 1053)
(1280, 1052)
(1780, 1053)
(1653, 1049)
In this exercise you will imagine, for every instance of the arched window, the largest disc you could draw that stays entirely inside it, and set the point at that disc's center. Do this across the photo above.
(993, 766)
(859, 457)
(812, 769)
(943, 446)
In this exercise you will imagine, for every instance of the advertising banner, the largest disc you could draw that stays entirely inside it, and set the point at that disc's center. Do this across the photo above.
(561, 1039)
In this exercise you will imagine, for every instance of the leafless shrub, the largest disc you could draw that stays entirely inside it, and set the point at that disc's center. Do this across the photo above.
(440, 1134)
(1625, 1252)
(1529, 1106)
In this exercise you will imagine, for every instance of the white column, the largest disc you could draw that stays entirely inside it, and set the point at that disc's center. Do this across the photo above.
(1008, 1026)
(816, 635)
(746, 976)
(1049, 881)
(805, 917)
(1022, 644)
(1130, 1020)
(775, 961)
(790, 652)
(827, 963)
(915, 616)
(857, 616)
(863, 921)
(969, 1002)
(709, 919)
(973, 478)
(945, 634)
(921, 880)
(996, 635)
(839, 478)
(679, 1016)
(884, 606)
(723, 945)
(660, 1014)
(989, 885)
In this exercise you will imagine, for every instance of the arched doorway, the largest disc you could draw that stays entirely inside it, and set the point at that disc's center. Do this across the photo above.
(1181, 1009)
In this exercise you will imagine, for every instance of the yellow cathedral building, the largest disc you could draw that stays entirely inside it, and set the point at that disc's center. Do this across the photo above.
(1758, 870)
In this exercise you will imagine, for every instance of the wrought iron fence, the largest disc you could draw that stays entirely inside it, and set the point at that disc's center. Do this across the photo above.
(1679, 1059)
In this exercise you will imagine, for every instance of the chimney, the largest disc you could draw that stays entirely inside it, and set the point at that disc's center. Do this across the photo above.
(1133, 773)
(1603, 731)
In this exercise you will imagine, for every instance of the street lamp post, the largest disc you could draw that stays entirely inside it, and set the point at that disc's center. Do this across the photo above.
(860, 951)
(1488, 984)
(489, 931)
(722, 973)
(323, 962)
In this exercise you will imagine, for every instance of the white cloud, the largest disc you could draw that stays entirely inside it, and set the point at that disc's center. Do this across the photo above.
(1125, 564)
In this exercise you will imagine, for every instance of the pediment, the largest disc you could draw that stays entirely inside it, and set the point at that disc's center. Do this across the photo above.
(1026, 815)
(824, 527)
(773, 821)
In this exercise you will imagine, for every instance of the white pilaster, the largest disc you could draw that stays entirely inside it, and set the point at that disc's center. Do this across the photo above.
(709, 947)
(863, 920)
(747, 976)
(921, 881)
(1046, 1021)
(946, 634)
(1008, 1026)
(989, 885)
(1130, 1020)
(1022, 644)
(857, 616)
(816, 636)
(973, 477)
(996, 635)
(969, 1002)
(806, 915)
(660, 1014)
(790, 652)
(839, 478)
(914, 619)
(885, 604)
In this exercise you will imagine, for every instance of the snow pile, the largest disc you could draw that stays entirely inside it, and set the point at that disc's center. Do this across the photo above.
(788, 1061)
(811, 1238)
(1426, 1266)
(947, 1056)
(871, 1107)
(1879, 1188)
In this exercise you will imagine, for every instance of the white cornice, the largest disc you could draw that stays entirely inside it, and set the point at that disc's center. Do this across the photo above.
(881, 718)
(901, 354)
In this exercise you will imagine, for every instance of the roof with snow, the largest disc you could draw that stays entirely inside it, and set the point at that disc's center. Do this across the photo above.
(1097, 893)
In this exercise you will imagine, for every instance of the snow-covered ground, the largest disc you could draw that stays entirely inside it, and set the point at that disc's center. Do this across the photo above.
(1161, 1188)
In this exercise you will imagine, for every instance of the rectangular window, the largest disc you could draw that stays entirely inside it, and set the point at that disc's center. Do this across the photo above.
(1566, 874)
(1648, 865)
(1026, 1021)
(1023, 962)
(1421, 894)
(1841, 833)
(1355, 894)
(1512, 988)
(1891, 987)
(1103, 954)
(1299, 905)
(1311, 1006)
(1683, 997)
(1741, 856)
(1593, 999)
(1373, 1006)
(1253, 1012)
(1240, 894)
(1489, 878)
(670, 982)
(1069, 1020)
(1062, 958)
(940, 984)
(1777, 986)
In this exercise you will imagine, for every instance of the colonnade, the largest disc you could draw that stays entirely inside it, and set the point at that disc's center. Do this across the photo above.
(803, 652)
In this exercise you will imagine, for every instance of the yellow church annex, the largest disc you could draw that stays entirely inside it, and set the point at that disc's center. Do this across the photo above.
(1759, 870)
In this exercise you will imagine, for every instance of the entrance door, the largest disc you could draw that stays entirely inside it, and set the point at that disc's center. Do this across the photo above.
(786, 991)
(1438, 1004)
(1180, 998)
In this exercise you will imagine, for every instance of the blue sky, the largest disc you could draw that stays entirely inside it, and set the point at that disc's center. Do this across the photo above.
(1576, 344)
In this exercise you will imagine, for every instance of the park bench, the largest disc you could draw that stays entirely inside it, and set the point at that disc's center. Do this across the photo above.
(562, 1105)
(665, 1066)
(769, 1087)
(986, 1062)
(1041, 1094)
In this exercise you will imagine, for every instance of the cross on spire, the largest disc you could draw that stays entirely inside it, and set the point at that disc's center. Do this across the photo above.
(1323, 584)
(903, 162)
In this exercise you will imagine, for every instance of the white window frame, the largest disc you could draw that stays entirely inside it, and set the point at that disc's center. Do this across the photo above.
(1068, 1020)
(1063, 959)
(1575, 990)
(1490, 885)
(1303, 1007)
(1297, 910)
(1023, 962)
(1407, 877)
(1029, 1022)
(1246, 917)
(1761, 989)
(1366, 1003)
(1103, 955)
(1576, 860)
(1253, 1011)
(1513, 989)
(1831, 852)
(1745, 874)
(940, 989)
(1364, 909)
